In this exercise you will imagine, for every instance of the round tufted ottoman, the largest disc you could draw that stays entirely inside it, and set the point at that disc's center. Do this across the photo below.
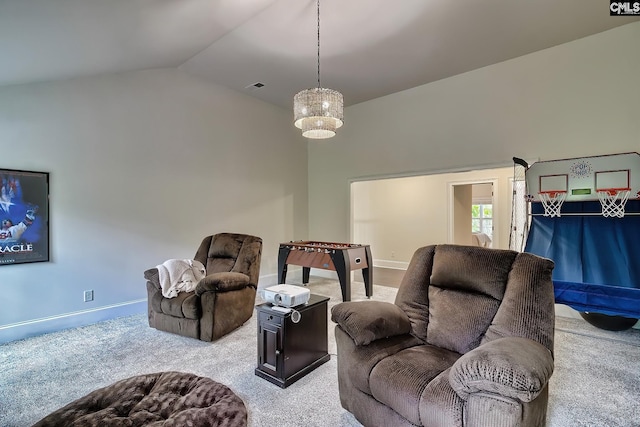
(160, 399)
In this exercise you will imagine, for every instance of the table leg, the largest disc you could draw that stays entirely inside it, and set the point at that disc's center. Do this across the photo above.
(283, 253)
(343, 268)
(305, 275)
(367, 273)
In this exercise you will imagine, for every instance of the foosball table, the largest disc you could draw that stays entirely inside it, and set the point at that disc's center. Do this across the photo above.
(339, 257)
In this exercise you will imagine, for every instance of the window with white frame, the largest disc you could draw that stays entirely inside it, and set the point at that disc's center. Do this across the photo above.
(482, 219)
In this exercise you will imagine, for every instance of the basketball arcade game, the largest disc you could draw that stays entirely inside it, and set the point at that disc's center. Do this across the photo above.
(585, 215)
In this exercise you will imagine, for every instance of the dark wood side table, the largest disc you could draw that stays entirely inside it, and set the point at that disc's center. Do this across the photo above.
(289, 350)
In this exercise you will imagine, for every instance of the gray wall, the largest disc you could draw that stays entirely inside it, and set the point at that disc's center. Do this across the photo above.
(573, 100)
(143, 165)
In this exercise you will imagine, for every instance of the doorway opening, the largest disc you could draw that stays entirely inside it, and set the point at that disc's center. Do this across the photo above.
(398, 215)
(471, 219)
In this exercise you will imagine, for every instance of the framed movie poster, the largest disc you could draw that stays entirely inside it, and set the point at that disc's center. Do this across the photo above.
(24, 216)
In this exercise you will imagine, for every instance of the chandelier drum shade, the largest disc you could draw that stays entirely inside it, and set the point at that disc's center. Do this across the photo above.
(318, 111)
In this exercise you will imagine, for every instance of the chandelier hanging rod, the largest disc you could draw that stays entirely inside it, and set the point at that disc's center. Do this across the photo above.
(318, 22)
(318, 111)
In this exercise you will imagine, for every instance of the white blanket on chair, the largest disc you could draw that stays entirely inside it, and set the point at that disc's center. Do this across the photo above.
(480, 239)
(179, 275)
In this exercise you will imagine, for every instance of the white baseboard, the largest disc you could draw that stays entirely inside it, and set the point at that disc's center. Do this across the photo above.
(31, 328)
(566, 311)
(268, 280)
(45, 325)
(385, 263)
(294, 276)
(325, 274)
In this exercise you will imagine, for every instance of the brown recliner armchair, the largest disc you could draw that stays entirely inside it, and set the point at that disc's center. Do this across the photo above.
(468, 342)
(222, 301)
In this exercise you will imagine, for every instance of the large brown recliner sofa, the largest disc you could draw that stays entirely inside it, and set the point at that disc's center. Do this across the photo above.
(222, 301)
(468, 342)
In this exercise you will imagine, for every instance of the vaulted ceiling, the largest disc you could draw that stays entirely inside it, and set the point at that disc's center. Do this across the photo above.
(369, 48)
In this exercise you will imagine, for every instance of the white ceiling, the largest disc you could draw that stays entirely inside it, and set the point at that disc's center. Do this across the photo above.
(369, 48)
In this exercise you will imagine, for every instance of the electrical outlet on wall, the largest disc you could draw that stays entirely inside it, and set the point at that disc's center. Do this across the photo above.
(88, 295)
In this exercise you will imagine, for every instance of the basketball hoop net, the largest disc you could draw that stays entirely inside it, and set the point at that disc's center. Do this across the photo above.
(552, 202)
(613, 201)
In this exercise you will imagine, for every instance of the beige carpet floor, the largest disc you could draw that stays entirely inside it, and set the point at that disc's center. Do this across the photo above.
(596, 380)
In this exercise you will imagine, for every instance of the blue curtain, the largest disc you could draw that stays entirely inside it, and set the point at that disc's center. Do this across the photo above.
(597, 259)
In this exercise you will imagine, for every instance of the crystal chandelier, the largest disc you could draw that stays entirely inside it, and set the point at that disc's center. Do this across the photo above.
(318, 111)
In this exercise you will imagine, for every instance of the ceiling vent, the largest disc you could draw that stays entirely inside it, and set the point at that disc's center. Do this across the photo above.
(255, 86)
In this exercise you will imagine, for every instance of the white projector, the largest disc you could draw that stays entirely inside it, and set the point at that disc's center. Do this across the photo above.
(285, 295)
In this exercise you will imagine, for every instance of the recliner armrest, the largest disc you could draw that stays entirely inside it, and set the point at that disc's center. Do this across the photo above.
(367, 321)
(514, 367)
(223, 282)
(153, 276)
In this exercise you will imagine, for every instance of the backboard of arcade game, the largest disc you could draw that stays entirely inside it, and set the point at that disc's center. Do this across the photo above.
(582, 178)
